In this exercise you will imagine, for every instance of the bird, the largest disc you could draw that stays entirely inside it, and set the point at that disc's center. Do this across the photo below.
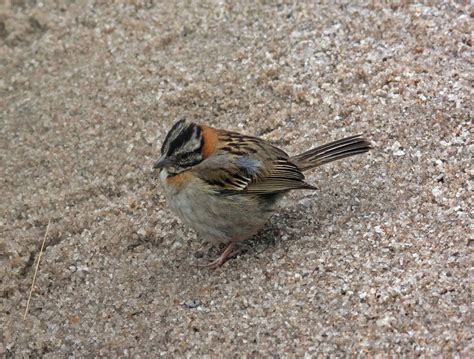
(226, 185)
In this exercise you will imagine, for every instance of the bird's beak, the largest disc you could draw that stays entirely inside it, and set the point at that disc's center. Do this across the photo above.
(162, 162)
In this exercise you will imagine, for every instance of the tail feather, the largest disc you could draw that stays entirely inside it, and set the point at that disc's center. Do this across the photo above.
(332, 151)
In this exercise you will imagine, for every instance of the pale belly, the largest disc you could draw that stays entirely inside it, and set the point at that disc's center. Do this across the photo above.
(219, 218)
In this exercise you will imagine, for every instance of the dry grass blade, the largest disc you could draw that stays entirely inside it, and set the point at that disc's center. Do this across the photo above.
(36, 271)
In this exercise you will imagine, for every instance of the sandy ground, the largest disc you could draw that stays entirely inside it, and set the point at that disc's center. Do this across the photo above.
(377, 261)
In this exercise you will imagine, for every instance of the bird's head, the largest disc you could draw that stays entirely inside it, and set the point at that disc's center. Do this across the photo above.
(182, 148)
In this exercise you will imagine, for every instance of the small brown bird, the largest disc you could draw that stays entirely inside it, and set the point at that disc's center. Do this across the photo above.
(226, 185)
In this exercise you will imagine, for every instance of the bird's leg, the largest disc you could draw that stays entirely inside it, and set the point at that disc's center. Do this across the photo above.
(230, 251)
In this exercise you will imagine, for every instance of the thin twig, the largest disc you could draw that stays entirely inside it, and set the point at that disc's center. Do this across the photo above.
(36, 271)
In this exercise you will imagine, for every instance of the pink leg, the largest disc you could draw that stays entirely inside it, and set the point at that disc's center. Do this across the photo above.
(228, 253)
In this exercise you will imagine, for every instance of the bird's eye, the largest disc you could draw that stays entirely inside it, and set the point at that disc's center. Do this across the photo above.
(181, 157)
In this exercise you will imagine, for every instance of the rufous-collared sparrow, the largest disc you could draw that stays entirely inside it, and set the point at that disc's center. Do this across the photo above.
(226, 185)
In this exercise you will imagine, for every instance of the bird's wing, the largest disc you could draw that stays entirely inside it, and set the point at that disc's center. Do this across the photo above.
(249, 165)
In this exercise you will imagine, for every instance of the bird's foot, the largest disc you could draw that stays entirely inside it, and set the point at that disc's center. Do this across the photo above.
(230, 251)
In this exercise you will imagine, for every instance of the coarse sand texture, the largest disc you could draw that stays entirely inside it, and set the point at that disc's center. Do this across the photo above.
(375, 262)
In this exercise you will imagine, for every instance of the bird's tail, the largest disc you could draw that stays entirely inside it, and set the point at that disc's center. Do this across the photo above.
(333, 151)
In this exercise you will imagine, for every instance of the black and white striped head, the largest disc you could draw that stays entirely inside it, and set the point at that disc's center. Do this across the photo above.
(182, 147)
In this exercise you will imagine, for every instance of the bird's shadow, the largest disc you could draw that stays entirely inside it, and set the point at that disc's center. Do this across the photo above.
(304, 217)
(283, 226)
